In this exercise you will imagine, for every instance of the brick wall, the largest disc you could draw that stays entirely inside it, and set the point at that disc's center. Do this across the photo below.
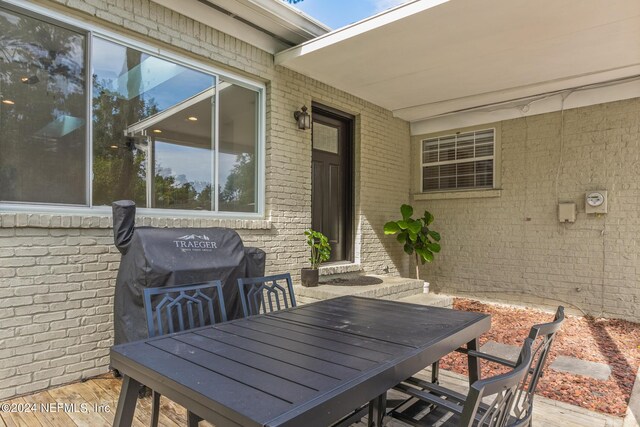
(57, 272)
(513, 248)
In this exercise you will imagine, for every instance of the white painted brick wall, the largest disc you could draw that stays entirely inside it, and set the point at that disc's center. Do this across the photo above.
(513, 247)
(57, 272)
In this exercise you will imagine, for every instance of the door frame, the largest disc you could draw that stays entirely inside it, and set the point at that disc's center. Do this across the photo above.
(349, 176)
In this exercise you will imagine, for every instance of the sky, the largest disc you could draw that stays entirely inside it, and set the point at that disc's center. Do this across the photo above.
(338, 13)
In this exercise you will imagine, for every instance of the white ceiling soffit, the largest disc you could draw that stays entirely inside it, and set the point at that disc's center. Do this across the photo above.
(431, 57)
(271, 25)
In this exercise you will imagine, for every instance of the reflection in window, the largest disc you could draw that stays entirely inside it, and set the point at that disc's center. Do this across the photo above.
(152, 130)
(238, 142)
(157, 136)
(42, 111)
(184, 182)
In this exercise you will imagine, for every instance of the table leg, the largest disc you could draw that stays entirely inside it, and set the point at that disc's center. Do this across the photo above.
(377, 409)
(435, 372)
(473, 362)
(126, 402)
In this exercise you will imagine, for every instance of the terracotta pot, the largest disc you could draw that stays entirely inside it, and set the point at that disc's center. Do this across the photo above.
(309, 277)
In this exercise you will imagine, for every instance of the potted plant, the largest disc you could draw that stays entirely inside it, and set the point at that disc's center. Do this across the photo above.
(320, 252)
(415, 235)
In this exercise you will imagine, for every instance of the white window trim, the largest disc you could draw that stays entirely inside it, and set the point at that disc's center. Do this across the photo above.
(418, 192)
(93, 29)
(492, 157)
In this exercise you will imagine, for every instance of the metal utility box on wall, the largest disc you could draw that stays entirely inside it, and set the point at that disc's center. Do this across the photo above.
(595, 202)
(567, 212)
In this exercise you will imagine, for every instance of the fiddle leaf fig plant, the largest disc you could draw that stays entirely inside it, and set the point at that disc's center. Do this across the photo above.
(415, 235)
(320, 248)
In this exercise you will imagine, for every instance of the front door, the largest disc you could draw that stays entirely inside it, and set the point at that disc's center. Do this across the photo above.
(332, 188)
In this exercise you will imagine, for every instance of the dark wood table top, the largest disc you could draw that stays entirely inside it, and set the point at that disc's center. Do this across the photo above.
(308, 365)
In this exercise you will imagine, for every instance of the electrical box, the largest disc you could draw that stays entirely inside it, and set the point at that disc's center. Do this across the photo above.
(567, 212)
(595, 202)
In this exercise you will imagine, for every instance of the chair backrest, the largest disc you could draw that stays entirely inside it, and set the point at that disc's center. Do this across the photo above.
(166, 306)
(503, 387)
(266, 294)
(542, 336)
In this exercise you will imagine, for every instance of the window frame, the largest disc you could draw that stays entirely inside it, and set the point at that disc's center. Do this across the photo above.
(91, 29)
(494, 158)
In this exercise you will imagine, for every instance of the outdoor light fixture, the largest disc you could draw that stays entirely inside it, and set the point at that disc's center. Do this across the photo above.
(303, 118)
(157, 131)
(193, 119)
(8, 102)
(114, 146)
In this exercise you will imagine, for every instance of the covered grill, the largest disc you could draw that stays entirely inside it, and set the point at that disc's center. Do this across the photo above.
(156, 257)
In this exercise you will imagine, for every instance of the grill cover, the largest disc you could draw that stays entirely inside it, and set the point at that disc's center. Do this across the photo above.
(156, 257)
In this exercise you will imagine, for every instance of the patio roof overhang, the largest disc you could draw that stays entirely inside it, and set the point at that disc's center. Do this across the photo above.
(432, 57)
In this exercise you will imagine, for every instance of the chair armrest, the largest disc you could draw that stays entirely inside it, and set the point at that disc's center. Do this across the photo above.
(429, 398)
(491, 358)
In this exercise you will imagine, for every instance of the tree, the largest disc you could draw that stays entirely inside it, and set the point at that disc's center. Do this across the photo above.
(42, 82)
(415, 235)
(238, 193)
(120, 172)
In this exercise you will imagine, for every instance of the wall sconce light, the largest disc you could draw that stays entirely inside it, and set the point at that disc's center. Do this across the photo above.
(303, 118)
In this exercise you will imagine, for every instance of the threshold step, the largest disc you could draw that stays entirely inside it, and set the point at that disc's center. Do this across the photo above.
(434, 300)
(371, 286)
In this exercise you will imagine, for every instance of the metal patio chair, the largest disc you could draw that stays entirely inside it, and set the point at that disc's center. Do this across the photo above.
(179, 308)
(266, 294)
(437, 406)
(542, 336)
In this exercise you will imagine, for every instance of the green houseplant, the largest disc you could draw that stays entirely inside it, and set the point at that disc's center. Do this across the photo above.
(320, 252)
(415, 235)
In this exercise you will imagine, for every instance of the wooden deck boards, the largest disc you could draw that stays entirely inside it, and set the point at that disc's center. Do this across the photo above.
(103, 391)
(106, 389)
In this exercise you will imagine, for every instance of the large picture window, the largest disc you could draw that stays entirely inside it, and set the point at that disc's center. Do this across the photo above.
(458, 161)
(164, 133)
(43, 99)
(153, 130)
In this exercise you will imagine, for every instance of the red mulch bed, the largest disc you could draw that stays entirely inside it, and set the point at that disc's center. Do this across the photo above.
(614, 342)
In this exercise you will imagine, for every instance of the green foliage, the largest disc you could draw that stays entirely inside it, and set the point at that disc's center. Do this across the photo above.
(320, 247)
(37, 165)
(120, 172)
(415, 235)
(238, 194)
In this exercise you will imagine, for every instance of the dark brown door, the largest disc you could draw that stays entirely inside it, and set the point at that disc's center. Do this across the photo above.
(331, 200)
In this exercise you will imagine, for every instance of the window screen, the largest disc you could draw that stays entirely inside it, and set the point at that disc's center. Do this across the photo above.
(459, 161)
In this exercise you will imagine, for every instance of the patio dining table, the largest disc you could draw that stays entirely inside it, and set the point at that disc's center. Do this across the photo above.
(311, 365)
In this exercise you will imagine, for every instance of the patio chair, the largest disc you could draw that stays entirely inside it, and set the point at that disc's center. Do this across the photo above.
(266, 294)
(542, 336)
(448, 408)
(179, 308)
